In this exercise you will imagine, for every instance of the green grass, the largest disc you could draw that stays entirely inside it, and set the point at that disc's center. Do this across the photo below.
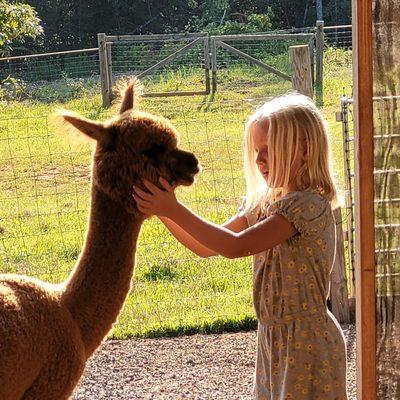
(44, 194)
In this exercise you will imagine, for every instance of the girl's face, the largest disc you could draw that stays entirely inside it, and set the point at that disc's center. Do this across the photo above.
(259, 132)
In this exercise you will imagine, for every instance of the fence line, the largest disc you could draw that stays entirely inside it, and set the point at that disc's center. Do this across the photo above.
(154, 37)
(120, 60)
(387, 208)
(93, 49)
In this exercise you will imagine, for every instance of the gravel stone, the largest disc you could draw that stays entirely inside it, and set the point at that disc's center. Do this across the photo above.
(198, 367)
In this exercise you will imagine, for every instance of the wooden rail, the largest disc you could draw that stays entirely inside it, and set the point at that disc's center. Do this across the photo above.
(155, 37)
(56, 53)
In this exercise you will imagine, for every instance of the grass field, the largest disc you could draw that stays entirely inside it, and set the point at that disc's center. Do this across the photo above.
(44, 191)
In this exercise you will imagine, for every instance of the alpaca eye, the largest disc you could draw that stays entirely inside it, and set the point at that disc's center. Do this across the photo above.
(154, 151)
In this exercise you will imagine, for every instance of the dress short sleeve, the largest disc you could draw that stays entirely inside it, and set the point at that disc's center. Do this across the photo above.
(251, 216)
(309, 212)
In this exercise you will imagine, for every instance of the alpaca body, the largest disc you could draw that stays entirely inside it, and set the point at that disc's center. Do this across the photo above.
(48, 332)
(42, 354)
(62, 327)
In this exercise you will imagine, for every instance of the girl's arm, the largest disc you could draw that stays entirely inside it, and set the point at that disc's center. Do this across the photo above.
(259, 237)
(235, 224)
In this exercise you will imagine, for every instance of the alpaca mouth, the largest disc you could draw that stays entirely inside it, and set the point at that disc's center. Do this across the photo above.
(188, 178)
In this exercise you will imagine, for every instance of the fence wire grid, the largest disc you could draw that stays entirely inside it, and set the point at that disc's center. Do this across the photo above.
(44, 196)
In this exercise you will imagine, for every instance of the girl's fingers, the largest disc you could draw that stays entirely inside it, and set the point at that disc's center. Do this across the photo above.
(152, 188)
(141, 193)
(165, 184)
(141, 202)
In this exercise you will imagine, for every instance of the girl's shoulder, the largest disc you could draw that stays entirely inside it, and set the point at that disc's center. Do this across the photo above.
(309, 211)
(304, 197)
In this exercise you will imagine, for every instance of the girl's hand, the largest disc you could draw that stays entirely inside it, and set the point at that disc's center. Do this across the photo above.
(156, 202)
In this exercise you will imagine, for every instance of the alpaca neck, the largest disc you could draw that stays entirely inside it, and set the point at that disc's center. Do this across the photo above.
(100, 282)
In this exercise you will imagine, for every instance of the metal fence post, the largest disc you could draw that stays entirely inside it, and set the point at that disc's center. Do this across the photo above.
(319, 42)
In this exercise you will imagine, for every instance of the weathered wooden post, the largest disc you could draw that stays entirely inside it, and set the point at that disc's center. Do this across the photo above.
(207, 63)
(109, 67)
(311, 45)
(301, 69)
(319, 44)
(105, 88)
(338, 293)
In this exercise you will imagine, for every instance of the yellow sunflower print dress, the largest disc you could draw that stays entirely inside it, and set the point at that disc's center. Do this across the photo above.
(301, 351)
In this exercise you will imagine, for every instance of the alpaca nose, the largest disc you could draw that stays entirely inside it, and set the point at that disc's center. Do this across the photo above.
(192, 163)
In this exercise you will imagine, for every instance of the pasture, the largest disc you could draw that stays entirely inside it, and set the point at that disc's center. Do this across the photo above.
(44, 192)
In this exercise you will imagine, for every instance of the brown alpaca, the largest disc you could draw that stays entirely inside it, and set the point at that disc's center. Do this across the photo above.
(47, 332)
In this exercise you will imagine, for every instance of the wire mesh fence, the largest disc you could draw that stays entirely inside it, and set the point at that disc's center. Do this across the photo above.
(49, 67)
(44, 208)
(240, 61)
(339, 36)
(337, 49)
(176, 63)
(48, 77)
(387, 198)
(45, 178)
(66, 75)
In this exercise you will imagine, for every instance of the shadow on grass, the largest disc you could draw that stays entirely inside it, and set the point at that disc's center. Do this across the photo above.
(207, 102)
(244, 324)
(319, 95)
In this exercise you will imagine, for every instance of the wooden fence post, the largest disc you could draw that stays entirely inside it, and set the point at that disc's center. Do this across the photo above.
(105, 88)
(338, 293)
(311, 45)
(301, 69)
(319, 44)
(109, 69)
(207, 63)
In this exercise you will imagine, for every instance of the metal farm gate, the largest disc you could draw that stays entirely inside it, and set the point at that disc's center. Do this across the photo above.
(253, 48)
(146, 55)
(196, 54)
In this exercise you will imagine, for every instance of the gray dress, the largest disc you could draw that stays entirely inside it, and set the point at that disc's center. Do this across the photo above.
(301, 352)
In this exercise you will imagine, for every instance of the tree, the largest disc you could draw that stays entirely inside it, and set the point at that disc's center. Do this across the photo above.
(17, 21)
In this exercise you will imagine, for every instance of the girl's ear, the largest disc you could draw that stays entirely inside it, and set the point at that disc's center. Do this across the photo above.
(93, 129)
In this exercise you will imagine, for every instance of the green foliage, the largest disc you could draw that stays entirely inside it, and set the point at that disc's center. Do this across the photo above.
(17, 21)
(254, 23)
(11, 89)
(74, 24)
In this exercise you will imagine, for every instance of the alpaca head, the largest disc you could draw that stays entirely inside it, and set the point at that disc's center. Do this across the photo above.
(134, 146)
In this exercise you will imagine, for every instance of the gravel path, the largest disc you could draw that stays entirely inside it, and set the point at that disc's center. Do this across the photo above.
(199, 367)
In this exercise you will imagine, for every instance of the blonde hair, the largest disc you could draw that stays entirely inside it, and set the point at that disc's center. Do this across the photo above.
(293, 124)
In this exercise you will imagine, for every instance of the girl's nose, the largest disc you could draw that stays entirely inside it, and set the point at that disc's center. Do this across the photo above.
(260, 160)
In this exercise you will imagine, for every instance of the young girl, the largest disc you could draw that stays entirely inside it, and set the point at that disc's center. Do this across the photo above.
(286, 222)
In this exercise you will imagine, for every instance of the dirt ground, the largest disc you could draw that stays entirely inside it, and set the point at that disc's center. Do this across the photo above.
(198, 367)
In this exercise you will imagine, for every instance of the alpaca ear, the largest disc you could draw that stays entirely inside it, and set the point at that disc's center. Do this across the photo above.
(130, 95)
(94, 129)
